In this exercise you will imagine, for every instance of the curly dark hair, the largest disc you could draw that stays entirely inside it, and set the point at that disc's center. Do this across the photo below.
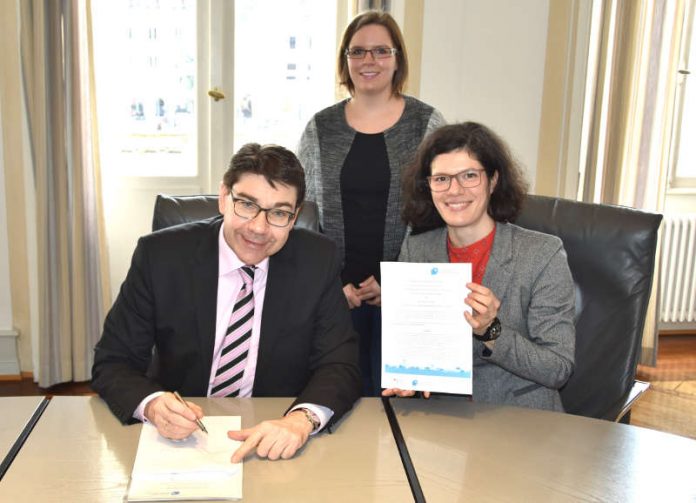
(275, 163)
(480, 143)
(382, 19)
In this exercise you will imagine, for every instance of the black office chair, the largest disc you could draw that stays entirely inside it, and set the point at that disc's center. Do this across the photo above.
(611, 254)
(175, 210)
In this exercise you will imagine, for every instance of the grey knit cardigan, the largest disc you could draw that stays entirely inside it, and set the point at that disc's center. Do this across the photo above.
(323, 149)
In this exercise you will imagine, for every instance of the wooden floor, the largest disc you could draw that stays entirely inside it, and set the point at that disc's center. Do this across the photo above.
(27, 387)
(669, 405)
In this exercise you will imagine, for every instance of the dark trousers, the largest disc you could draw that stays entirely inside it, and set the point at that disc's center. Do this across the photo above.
(367, 321)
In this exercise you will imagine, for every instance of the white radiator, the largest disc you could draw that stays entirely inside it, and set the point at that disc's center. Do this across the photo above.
(678, 272)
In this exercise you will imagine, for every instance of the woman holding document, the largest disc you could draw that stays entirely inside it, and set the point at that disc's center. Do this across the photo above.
(460, 196)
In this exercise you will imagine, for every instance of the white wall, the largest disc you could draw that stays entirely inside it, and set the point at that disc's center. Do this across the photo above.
(9, 363)
(5, 298)
(484, 61)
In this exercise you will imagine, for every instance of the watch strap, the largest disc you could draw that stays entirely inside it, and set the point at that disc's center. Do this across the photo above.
(491, 333)
(311, 417)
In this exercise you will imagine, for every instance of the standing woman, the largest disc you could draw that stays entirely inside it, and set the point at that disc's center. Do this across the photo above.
(353, 154)
(466, 188)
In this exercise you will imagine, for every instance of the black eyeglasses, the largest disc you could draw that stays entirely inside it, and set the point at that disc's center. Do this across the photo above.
(249, 210)
(381, 52)
(467, 179)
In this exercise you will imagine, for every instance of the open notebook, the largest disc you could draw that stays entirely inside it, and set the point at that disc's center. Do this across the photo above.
(197, 468)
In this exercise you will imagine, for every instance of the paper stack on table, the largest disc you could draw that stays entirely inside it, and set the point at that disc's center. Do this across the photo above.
(197, 468)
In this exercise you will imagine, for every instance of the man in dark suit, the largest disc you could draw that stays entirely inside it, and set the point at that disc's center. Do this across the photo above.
(237, 305)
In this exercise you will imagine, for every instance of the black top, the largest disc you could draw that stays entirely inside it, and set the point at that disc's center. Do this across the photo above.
(364, 192)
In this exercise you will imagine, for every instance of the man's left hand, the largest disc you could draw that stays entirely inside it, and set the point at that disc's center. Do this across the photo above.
(274, 439)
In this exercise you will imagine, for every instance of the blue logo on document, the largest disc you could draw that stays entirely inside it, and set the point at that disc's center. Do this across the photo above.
(434, 271)
(414, 382)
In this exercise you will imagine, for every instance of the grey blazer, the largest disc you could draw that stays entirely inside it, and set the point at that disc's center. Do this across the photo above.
(534, 356)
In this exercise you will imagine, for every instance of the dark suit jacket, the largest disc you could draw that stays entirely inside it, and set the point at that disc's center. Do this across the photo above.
(307, 347)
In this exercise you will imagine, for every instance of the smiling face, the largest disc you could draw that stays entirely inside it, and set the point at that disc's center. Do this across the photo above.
(370, 75)
(254, 239)
(464, 210)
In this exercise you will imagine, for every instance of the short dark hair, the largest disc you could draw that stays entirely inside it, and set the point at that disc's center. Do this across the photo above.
(382, 19)
(480, 143)
(275, 163)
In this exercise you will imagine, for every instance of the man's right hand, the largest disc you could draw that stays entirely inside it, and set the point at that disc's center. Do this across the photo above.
(171, 418)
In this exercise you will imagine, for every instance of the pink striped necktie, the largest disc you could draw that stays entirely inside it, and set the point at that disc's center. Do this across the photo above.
(235, 345)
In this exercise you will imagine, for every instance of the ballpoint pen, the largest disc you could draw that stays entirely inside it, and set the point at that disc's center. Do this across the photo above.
(198, 421)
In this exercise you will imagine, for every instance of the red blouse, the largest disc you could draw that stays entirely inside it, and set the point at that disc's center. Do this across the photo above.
(476, 253)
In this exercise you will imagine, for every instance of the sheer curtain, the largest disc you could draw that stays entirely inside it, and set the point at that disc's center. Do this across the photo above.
(629, 121)
(73, 270)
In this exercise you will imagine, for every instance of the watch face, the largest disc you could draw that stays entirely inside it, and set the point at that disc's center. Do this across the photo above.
(494, 330)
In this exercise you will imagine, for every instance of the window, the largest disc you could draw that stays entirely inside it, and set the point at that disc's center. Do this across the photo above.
(147, 57)
(145, 78)
(284, 68)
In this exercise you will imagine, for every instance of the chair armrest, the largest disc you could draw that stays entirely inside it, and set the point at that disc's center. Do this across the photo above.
(636, 391)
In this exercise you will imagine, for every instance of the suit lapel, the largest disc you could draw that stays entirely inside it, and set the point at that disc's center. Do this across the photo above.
(205, 283)
(278, 292)
(440, 254)
(499, 268)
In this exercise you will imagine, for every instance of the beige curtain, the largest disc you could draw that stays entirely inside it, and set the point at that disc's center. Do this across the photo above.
(73, 270)
(630, 123)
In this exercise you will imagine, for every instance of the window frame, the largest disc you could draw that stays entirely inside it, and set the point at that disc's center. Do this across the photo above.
(681, 184)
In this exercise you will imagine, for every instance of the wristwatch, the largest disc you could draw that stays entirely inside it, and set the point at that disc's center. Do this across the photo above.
(492, 332)
(312, 418)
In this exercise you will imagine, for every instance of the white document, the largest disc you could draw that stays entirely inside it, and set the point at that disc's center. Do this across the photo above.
(426, 341)
(197, 468)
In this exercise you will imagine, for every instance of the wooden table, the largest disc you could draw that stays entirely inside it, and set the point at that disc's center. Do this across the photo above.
(461, 451)
(79, 452)
(17, 412)
(464, 451)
